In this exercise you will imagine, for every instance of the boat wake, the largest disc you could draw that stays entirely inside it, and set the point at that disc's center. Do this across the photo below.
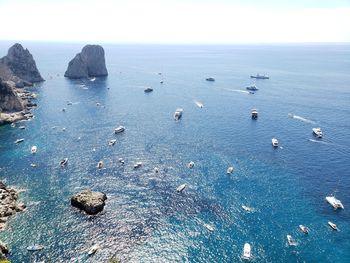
(199, 104)
(318, 141)
(238, 90)
(300, 118)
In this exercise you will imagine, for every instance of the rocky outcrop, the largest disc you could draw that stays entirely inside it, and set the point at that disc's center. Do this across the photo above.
(9, 204)
(90, 62)
(89, 201)
(3, 250)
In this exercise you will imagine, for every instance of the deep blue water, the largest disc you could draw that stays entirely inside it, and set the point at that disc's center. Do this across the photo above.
(145, 220)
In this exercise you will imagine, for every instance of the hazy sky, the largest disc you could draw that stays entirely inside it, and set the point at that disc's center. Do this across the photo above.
(176, 21)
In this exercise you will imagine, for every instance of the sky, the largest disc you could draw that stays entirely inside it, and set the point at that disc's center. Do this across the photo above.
(176, 21)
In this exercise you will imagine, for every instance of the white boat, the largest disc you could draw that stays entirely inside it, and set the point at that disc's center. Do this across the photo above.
(112, 142)
(178, 114)
(35, 247)
(64, 162)
(93, 250)
(230, 170)
(180, 188)
(119, 129)
(19, 140)
(137, 165)
(333, 226)
(100, 164)
(22, 127)
(34, 149)
(63, 129)
(121, 160)
(190, 164)
(317, 131)
(254, 114)
(334, 202)
(291, 241)
(92, 79)
(304, 229)
(247, 208)
(258, 76)
(33, 165)
(64, 110)
(156, 170)
(274, 142)
(209, 227)
(247, 251)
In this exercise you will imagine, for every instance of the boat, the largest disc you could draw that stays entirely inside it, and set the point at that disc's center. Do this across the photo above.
(121, 160)
(334, 202)
(64, 162)
(69, 103)
(119, 129)
(274, 142)
(93, 250)
(137, 165)
(35, 247)
(180, 188)
(161, 82)
(148, 90)
(252, 87)
(92, 79)
(258, 76)
(210, 79)
(247, 208)
(209, 227)
(100, 164)
(254, 114)
(22, 127)
(34, 149)
(247, 251)
(64, 110)
(112, 142)
(63, 129)
(19, 140)
(178, 114)
(291, 241)
(190, 164)
(156, 170)
(333, 226)
(230, 170)
(33, 165)
(13, 125)
(304, 229)
(317, 132)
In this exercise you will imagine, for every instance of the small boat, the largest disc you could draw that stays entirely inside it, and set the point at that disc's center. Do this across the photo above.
(247, 251)
(304, 229)
(13, 125)
(210, 79)
(33, 165)
(333, 226)
(63, 129)
(93, 250)
(64, 110)
(258, 76)
(34, 149)
(252, 87)
(254, 114)
(190, 164)
(121, 160)
(178, 114)
(251, 92)
(99, 165)
(119, 129)
(148, 90)
(69, 103)
(317, 132)
(334, 202)
(64, 162)
(161, 82)
(156, 170)
(230, 170)
(137, 165)
(98, 104)
(112, 142)
(94, 149)
(92, 79)
(35, 247)
(19, 140)
(180, 188)
(291, 241)
(22, 127)
(274, 142)
(247, 208)
(209, 227)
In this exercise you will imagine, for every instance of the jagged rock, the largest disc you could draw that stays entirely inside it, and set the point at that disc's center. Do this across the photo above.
(9, 99)
(89, 201)
(90, 62)
(3, 248)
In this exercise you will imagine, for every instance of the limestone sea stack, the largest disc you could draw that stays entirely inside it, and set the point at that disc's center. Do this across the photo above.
(89, 201)
(90, 62)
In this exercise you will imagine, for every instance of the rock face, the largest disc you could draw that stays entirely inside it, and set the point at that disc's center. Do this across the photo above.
(3, 250)
(89, 201)
(9, 100)
(90, 62)
(9, 204)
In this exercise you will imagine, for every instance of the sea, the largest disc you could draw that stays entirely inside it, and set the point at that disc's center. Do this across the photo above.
(145, 219)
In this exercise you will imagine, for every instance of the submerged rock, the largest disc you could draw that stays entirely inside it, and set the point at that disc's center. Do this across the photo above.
(89, 201)
(90, 62)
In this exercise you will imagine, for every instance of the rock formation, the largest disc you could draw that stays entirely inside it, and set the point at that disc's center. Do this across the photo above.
(9, 204)
(89, 201)
(90, 62)
(3, 251)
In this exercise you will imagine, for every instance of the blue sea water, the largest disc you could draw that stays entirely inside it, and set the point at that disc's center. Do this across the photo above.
(145, 220)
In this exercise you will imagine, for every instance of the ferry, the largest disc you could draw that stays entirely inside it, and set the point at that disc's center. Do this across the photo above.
(254, 114)
(258, 76)
(334, 202)
(317, 132)
(304, 229)
(247, 251)
(180, 188)
(178, 114)
(274, 142)
(119, 129)
(252, 87)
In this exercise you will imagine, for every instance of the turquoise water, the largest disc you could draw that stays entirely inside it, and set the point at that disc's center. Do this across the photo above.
(145, 220)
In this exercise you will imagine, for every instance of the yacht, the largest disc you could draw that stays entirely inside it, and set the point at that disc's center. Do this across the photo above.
(93, 250)
(258, 76)
(137, 165)
(209, 227)
(210, 79)
(148, 90)
(100, 164)
(254, 114)
(334, 202)
(247, 208)
(247, 251)
(34, 149)
(19, 140)
(229, 170)
(291, 241)
(178, 114)
(274, 142)
(64, 162)
(180, 188)
(112, 142)
(252, 87)
(304, 229)
(333, 226)
(317, 132)
(35, 248)
(119, 129)
(190, 164)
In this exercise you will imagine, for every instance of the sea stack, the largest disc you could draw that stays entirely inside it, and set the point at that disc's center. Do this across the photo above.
(89, 201)
(90, 62)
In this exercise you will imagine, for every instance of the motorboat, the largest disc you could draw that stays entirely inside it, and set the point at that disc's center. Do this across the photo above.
(100, 164)
(230, 170)
(161, 82)
(63, 129)
(137, 165)
(156, 170)
(254, 114)
(317, 132)
(247, 208)
(121, 160)
(92, 79)
(98, 104)
(274, 142)
(93, 249)
(112, 142)
(178, 114)
(119, 129)
(64, 110)
(258, 76)
(291, 241)
(334, 202)
(190, 164)
(252, 87)
(35, 248)
(33, 165)
(247, 251)
(19, 140)
(148, 90)
(209, 227)
(333, 226)
(304, 229)
(210, 79)
(34, 149)
(180, 188)
(22, 127)
(64, 162)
